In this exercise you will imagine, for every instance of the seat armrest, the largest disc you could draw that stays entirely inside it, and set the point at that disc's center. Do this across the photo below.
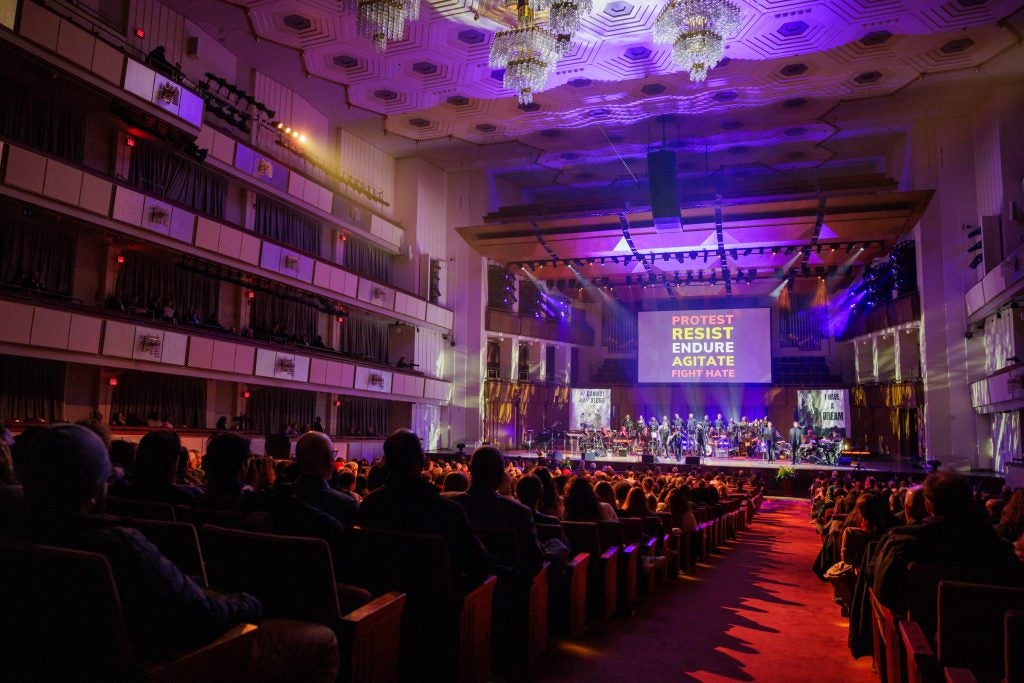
(609, 555)
(955, 674)
(921, 662)
(230, 652)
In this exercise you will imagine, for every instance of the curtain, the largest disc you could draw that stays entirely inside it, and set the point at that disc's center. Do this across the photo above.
(165, 174)
(801, 324)
(28, 247)
(297, 319)
(365, 337)
(180, 399)
(271, 409)
(284, 224)
(363, 417)
(368, 260)
(37, 121)
(31, 388)
(618, 325)
(144, 277)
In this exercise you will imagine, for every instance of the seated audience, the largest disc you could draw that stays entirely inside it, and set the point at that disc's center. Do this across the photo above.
(529, 491)
(950, 536)
(65, 474)
(582, 505)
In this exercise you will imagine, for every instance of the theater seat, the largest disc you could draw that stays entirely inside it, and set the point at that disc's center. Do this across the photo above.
(61, 619)
(294, 578)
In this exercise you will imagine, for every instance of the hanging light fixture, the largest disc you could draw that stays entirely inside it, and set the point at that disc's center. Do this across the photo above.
(564, 17)
(697, 30)
(384, 20)
(528, 53)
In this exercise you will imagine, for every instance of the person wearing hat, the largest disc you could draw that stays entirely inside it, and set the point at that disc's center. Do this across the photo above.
(64, 473)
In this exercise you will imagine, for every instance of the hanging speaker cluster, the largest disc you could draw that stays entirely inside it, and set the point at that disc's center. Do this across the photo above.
(661, 176)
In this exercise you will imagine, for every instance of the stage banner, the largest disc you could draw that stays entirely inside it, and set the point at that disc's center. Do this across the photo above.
(824, 410)
(590, 409)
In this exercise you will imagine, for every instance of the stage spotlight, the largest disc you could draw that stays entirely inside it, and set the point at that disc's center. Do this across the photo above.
(974, 247)
(974, 233)
(976, 261)
(693, 256)
(734, 254)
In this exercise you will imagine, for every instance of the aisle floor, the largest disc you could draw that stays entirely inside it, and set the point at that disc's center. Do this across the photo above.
(754, 613)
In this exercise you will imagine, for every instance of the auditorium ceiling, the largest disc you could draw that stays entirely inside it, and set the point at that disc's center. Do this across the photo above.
(789, 156)
(807, 86)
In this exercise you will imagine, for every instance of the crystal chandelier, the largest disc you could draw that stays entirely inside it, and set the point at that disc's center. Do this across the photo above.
(384, 20)
(528, 53)
(697, 30)
(564, 18)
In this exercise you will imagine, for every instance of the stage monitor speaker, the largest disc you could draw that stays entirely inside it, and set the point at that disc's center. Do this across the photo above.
(693, 460)
(845, 461)
(647, 459)
(661, 176)
(588, 456)
(623, 452)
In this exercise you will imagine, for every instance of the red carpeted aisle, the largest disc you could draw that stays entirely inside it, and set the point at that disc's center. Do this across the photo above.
(755, 613)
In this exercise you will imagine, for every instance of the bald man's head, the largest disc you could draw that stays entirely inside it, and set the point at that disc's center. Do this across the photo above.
(314, 453)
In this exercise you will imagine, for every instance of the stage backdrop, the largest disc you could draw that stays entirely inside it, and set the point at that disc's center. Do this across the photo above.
(590, 408)
(824, 409)
(705, 346)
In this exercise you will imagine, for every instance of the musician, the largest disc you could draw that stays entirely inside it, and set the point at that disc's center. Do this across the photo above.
(795, 441)
(677, 422)
(663, 434)
(768, 435)
(652, 427)
(691, 424)
(675, 441)
(700, 439)
(719, 424)
(640, 424)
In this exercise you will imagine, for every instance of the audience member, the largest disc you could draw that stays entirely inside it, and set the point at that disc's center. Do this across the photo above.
(406, 503)
(314, 453)
(227, 456)
(488, 510)
(156, 465)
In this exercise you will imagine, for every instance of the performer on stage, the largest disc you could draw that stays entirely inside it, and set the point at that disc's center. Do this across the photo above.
(652, 426)
(675, 441)
(677, 422)
(701, 440)
(663, 434)
(795, 440)
(719, 424)
(768, 437)
(627, 424)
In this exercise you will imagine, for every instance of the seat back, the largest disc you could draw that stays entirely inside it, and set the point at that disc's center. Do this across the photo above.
(584, 537)
(60, 616)
(293, 576)
(923, 585)
(200, 516)
(545, 532)
(140, 509)
(1013, 636)
(632, 529)
(971, 626)
(178, 542)
(503, 544)
(611, 534)
(418, 566)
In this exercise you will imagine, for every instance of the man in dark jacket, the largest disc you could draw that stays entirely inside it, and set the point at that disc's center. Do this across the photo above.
(408, 504)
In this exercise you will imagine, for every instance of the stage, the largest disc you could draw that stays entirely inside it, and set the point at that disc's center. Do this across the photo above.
(729, 464)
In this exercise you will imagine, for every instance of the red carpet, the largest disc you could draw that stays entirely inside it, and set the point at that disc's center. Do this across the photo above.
(756, 613)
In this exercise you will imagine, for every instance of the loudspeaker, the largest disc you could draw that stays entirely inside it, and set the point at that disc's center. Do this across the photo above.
(661, 176)
(588, 456)
(623, 452)
(647, 459)
(844, 461)
(693, 460)
(192, 46)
